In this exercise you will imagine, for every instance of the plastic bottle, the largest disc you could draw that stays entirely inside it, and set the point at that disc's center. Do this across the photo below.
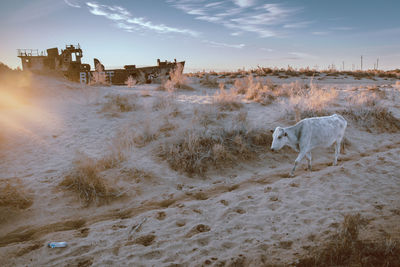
(57, 244)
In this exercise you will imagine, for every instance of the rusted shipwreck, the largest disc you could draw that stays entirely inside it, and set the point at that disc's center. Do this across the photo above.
(68, 63)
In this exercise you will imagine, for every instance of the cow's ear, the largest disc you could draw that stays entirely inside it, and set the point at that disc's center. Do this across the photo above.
(272, 131)
(285, 134)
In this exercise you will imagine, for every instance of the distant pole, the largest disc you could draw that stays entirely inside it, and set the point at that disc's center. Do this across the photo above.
(361, 62)
(343, 65)
(377, 63)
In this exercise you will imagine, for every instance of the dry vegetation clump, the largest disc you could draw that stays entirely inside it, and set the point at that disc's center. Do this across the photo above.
(261, 91)
(397, 85)
(130, 82)
(168, 105)
(209, 82)
(13, 195)
(207, 114)
(346, 249)
(138, 174)
(309, 101)
(367, 111)
(86, 180)
(377, 118)
(99, 76)
(114, 157)
(226, 100)
(146, 134)
(118, 103)
(193, 151)
(177, 80)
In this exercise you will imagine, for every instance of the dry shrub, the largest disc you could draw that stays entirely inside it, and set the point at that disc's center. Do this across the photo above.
(130, 82)
(168, 105)
(13, 195)
(226, 100)
(177, 80)
(193, 151)
(367, 111)
(376, 118)
(209, 82)
(346, 249)
(99, 76)
(241, 85)
(309, 101)
(138, 174)
(146, 134)
(206, 115)
(258, 89)
(118, 103)
(86, 180)
(296, 88)
(365, 98)
(397, 85)
(114, 156)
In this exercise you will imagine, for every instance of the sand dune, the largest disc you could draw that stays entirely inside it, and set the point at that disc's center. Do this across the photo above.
(245, 212)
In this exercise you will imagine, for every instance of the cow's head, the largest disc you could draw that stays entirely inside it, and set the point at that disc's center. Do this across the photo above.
(279, 138)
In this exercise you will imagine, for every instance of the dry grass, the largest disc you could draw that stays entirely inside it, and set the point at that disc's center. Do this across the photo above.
(366, 110)
(375, 118)
(195, 150)
(397, 85)
(209, 82)
(146, 134)
(346, 249)
(308, 101)
(137, 174)
(177, 81)
(99, 76)
(226, 100)
(130, 82)
(85, 179)
(118, 103)
(307, 71)
(13, 195)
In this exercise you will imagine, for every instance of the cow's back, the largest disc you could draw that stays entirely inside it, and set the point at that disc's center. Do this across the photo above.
(322, 131)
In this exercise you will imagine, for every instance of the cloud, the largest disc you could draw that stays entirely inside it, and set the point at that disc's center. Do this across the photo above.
(297, 25)
(342, 28)
(216, 44)
(244, 3)
(73, 3)
(320, 33)
(301, 55)
(267, 49)
(124, 20)
(252, 16)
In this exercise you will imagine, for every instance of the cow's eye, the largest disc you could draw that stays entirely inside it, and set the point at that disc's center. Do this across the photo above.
(279, 137)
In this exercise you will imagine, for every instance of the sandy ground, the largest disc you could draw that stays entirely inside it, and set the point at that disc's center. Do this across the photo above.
(249, 214)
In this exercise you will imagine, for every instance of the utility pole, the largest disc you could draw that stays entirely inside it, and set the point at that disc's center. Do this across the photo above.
(343, 66)
(361, 62)
(377, 63)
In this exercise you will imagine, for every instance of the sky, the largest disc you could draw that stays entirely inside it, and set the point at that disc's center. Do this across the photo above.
(208, 34)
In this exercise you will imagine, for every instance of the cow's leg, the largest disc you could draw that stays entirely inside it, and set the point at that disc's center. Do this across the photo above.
(298, 159)
(308, 156)
(337, 149)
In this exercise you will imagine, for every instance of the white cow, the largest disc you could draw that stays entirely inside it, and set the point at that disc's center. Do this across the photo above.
(310, 133)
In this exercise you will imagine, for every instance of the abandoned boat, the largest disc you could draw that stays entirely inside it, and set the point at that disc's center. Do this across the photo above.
(68, 63)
